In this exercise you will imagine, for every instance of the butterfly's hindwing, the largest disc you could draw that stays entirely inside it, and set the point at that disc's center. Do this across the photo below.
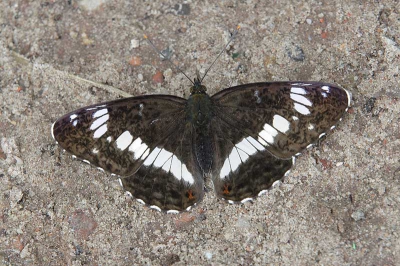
(243, 167)
(169, 178)
(142, 139)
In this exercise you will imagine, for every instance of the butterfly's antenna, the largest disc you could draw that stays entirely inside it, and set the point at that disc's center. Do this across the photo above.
(220, 53)
(165, 57)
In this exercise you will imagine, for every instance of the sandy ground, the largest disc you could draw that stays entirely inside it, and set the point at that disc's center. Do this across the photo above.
(339, 205)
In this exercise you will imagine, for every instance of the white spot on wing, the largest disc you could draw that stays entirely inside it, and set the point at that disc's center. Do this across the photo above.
(268, 134)
(141, 106)
(234, 158)
(140, 201)
(99, 121)
(348, 97)
(301, 109)
(262, 192)
(225, 170)
(298, 90)
(281, 123)
(135, 145)
(52, 131)
(176, 167)
(73, 116)
(100, 131)
(109, 138)
(243, 156)
(256, 144)
(246, 200)
(150, 159)
(257, 95)
(139, 148)
(146, 153)
(162, 157)
(325, 88)
(154, 207)
(167, 165)
(143, 151)
(300, 99)
(262, 141)
(276, 183)
(100, 112)
(310, 126)
(124, 140)
(172, 212)
(270, 130)
(186, 175)
(246, 146)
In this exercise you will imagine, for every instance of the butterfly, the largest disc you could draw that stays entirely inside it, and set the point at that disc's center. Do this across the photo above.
(243, 138)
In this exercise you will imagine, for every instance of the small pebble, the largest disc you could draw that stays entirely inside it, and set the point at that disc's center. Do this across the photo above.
(358, 215)
(158, 77)
(15, 196)
(135, 43)
(309, 21)
(168, 74)
(208, 255)
(135, 61)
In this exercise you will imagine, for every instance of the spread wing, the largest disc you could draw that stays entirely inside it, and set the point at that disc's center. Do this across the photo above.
(145, 140)
(259, 127)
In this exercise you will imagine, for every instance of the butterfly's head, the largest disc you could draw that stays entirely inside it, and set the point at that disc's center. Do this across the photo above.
(197, 88)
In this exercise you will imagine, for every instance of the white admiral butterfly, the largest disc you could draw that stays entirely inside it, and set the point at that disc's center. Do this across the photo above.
(243, 137)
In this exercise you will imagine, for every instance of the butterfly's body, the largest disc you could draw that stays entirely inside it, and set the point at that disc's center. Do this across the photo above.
(200, 112)
(162, 146)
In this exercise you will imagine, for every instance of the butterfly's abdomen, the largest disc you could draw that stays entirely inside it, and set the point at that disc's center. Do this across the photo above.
(199, 113)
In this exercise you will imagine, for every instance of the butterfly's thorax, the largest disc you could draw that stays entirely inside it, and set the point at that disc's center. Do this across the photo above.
(199, 113)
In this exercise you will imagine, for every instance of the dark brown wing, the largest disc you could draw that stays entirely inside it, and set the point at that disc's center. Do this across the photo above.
(259, 127)
(144, 140)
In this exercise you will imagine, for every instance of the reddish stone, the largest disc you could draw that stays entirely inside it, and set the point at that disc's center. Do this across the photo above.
(82, 224)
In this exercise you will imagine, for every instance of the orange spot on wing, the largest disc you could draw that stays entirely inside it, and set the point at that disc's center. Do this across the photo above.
(190, 194)
(226, 189)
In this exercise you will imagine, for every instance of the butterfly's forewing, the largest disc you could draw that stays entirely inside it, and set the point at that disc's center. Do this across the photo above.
(144, 140)
(273, 122)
